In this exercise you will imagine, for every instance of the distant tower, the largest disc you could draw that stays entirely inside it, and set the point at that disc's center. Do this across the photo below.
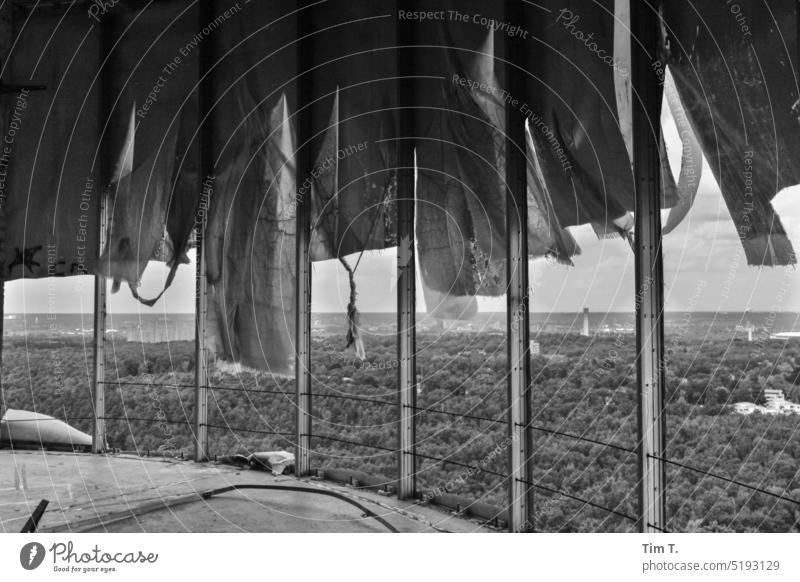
(748, 326)
(585, 331)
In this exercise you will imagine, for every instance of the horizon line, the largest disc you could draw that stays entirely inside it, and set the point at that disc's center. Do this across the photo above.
(580, 311)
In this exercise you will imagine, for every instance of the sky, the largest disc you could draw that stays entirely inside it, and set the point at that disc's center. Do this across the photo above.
(704, 270)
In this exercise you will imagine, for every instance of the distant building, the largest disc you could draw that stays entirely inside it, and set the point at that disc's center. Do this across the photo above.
(585, 331)
(785, 335)
(159, 330)
(746, 328)
(776, 404)
(535, 348)
(746, 408)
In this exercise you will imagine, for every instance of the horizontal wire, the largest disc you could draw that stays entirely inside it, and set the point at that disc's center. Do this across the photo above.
(355, 398)
(576, 498)
(536, 485)
(226, 388)
(727, 479)
(538, 428)
(253, 430)
(235, 389)
(430, 410)
(487, 471)
(456, 414)
(465, 465)
(154, 384)
(134, 419)
(46, 419)
(346, 442)
(459, 464)
(436, 459)
(582, 438)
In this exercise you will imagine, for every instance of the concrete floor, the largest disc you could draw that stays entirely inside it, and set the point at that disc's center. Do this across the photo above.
(102, 492)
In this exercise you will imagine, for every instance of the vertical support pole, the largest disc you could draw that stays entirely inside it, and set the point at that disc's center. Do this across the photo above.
(200, 356)
(585, 328)
(406, 268)
(99, 434)
(100, 288)
(520, 511)
(205, 13)
(6, 36)
(303, 242)
(647, 94)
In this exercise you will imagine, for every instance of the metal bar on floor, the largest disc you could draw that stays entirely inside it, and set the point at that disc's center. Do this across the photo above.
(647, 94)
(520, 513)
(406, 268)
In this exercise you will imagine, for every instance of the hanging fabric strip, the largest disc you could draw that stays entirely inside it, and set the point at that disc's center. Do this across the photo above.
(353, 333)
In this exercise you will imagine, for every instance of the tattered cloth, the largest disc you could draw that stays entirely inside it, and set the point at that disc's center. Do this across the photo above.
(127, 127)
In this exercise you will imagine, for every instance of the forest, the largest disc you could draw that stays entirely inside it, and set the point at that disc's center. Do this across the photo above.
(582, 387)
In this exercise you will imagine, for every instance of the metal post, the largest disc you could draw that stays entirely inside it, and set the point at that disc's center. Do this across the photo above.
(205, 13)
(520, 511)
(100, 289)
(6, 35)
(200, 355)
(99, 434)
(303, 241)
(647, 94)
(406, 269)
